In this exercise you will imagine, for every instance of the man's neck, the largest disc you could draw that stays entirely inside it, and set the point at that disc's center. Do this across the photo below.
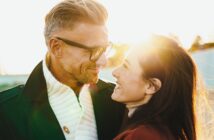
(73, 84)
(64, 78)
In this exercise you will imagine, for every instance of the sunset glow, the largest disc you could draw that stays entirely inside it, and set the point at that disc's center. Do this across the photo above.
(23, 46)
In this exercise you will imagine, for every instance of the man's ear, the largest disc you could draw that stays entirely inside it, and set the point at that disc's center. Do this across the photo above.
(153, 85)
(55, 47)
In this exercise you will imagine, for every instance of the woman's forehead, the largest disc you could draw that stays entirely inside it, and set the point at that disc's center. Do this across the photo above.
(136, 54)
(133, 61)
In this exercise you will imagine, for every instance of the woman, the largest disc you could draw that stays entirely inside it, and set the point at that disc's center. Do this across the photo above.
(157, 83)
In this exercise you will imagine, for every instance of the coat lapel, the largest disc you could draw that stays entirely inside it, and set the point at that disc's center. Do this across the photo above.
(42, 122)
(108, 113)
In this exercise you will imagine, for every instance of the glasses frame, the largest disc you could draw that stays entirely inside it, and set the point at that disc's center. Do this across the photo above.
(95, 52)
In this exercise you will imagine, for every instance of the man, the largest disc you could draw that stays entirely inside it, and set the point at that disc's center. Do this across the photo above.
(63, 97)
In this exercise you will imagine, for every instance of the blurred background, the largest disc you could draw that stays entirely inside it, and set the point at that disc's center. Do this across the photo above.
(189, 22)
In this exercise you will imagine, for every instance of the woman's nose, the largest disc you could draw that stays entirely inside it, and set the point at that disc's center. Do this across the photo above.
(115, 73)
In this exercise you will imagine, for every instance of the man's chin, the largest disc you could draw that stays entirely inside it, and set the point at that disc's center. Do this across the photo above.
(91, 79)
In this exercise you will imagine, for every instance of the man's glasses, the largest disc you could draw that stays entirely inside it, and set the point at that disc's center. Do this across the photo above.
(95, 52)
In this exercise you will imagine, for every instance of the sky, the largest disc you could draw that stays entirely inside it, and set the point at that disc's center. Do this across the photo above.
(22, 43)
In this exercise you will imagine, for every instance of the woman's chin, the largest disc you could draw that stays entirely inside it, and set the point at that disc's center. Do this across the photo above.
(116, 96)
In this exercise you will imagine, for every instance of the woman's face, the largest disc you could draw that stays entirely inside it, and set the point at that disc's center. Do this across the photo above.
(131, 87)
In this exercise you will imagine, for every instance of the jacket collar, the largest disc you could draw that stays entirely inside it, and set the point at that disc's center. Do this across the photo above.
(41, 118)
(35, 88)
(35, 92)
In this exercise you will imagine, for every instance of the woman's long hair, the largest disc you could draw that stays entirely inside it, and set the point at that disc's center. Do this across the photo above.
(173, 104)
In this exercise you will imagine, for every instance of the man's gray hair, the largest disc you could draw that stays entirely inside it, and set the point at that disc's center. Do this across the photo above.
(68, 12)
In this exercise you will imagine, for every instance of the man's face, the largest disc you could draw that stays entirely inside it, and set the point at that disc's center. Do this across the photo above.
(81, 64)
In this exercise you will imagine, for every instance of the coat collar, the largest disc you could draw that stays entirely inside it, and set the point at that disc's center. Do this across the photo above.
(35, 88)
(43, 118)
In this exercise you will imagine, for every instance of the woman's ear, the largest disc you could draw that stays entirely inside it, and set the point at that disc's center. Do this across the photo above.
(153, 85)
(55, 47)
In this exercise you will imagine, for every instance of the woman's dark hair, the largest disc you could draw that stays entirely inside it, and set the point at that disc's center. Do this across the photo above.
(173, 104)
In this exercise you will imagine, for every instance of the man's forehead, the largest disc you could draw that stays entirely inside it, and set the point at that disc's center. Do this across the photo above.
(88, 34)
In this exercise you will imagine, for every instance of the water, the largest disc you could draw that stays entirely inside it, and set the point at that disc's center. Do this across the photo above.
(205, 63)
(9, 81)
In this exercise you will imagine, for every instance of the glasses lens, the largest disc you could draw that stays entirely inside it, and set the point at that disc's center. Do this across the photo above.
(96, 53)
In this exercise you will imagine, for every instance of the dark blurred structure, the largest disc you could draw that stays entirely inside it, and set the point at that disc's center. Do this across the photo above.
(197, 45)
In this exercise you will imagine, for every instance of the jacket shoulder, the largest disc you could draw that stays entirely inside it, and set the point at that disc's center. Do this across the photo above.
(103, 84)
(145, 133)
(11, 93)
